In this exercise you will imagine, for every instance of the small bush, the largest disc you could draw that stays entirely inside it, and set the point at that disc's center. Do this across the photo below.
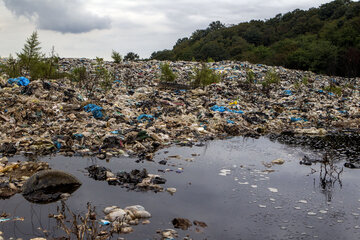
(250, 76)
(305, 81)
(167, 74)
(11, 68)
(205, 76)
(334, 89)
(271, 78)
(79, 75)
(116, 57)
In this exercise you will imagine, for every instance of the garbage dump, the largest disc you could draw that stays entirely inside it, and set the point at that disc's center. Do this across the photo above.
(139, 114)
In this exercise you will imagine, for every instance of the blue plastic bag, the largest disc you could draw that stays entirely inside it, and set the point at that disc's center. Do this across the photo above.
(20, 81)
(217, 108)
(288, 92)
(145, 116)
(95, 109)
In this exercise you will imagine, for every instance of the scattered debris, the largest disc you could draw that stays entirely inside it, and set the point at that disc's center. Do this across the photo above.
(134, 180)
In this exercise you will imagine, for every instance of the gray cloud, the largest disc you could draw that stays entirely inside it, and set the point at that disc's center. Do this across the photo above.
(65, 16)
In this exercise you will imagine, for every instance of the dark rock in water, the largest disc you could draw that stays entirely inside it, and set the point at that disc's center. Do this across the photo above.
(97, 172)
(181, 223)
(8, 148)
(159, 180)
(48, 185)
(352, 165)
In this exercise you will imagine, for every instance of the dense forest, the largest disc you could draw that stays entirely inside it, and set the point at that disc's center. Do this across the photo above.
(324, 40)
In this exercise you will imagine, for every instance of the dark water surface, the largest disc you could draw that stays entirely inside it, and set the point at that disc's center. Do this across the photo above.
(225, 186)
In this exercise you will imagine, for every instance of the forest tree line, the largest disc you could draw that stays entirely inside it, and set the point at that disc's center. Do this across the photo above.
(324, 40)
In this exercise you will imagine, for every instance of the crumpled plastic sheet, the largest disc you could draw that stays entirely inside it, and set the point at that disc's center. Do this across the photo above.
(20, 81)
(217, 108)
(144, 117)
(95, 109)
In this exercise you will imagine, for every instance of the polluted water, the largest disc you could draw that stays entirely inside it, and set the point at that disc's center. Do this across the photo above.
(230, 190)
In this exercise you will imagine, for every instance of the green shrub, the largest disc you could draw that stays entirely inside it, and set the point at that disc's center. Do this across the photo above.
(305, 81)
(334, 89)
(205, 76)
(79, 75)
(167, 74)
(102, 76)
(11, 68)
(116, 57)
(271, 78)
(250, 76)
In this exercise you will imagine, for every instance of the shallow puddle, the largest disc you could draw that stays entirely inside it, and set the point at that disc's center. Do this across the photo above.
(233, 185)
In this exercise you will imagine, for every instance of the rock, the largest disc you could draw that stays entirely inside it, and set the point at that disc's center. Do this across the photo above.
(169, 234)
(126, 230)
(171, 190)
(200, 224)
(278, 161)
(49, 179)
(181, 223)
(49, 186)
(108, 210)
(139, 211)
(116, 214)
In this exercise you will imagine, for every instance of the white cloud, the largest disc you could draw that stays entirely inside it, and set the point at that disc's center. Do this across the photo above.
(141, 26)
(65, 16)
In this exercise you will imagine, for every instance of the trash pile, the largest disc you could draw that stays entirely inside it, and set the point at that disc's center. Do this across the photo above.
(139, 115)
(134, 180)
(122, 219)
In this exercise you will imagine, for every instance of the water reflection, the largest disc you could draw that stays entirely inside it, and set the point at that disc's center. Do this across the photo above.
(329, 176)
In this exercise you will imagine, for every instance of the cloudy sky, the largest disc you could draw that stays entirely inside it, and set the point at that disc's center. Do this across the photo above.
(90, 28)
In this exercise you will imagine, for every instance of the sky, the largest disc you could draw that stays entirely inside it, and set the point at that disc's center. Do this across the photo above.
(93, 28)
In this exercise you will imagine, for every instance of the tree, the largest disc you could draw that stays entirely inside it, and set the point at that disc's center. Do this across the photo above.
(30, 54)
(216, 26)
(116, 56)
(130, 56)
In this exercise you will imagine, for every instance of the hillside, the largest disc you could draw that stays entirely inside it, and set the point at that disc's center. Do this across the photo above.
(324, 40)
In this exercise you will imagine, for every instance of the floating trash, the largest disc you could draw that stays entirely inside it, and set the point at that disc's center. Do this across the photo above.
(274, 190)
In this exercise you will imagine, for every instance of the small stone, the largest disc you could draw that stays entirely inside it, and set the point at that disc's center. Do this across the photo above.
(278, 161)
(171, 190)
(145, 222)
(274, 190)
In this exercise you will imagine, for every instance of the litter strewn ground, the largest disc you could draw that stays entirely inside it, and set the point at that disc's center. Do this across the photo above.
(137, 116)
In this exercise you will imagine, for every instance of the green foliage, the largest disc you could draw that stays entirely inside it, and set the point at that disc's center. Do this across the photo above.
(30, 54)
(210, 60)
(116, 57)
(305, 81)
(250, 76)
(100, 78)
(103, 77)
(323, 40)
(79, 75)
(11, 68)
(334, 89)
(205, 76)
(167, 74)
(32, 62)
(130, 56)
(271, 78)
